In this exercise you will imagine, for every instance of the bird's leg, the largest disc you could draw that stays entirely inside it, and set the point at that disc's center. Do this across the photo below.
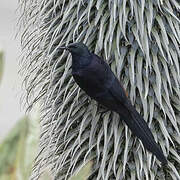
(110, 61)
(102, 111)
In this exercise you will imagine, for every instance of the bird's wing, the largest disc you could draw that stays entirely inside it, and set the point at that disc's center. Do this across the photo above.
(135, 121)
(106, 66)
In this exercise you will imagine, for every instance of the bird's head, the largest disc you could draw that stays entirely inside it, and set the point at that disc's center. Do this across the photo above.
(79, 49)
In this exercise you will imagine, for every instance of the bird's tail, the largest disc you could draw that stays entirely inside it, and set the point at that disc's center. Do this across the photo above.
(140, 129)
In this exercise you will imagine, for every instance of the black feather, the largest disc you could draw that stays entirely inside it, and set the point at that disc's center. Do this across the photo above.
(95, 77)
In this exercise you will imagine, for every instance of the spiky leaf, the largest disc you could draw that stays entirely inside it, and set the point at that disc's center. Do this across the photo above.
(142, 40)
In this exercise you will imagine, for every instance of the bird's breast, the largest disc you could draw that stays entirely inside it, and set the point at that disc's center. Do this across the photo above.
(92, 80)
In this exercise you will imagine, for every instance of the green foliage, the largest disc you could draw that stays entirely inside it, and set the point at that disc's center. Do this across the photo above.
(18, 150)
(8, 150)
(142, 38)
(84, 172)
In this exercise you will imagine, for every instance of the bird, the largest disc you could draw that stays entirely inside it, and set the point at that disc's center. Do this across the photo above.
(95, 77)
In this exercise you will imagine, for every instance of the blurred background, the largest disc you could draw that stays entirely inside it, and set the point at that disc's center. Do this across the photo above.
(19, 133)
(10, 88)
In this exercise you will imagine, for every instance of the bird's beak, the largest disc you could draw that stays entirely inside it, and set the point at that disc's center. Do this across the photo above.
(63, 47)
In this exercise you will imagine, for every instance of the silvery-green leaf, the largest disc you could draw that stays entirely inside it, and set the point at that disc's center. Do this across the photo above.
(141, 38)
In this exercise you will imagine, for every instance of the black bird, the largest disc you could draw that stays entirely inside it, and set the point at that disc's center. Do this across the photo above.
(95, 77)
